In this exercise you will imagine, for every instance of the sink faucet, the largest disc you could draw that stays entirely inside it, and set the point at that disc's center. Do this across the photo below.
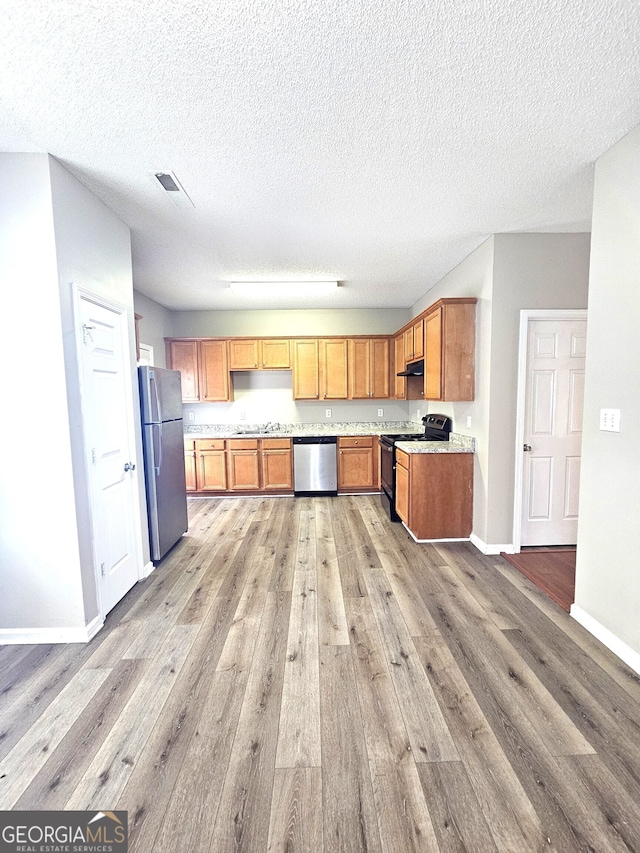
(268, 426)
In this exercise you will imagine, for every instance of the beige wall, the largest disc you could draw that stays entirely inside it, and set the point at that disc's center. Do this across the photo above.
(367, 321)
(508, 273)
(156, 325)
(608, 573)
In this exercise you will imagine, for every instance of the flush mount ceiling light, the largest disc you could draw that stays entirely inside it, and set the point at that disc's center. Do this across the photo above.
(283, 288)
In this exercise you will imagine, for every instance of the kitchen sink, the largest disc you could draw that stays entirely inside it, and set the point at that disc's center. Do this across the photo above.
(253, 432)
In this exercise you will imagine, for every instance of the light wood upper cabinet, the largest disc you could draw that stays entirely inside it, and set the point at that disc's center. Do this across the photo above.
(276, 354)
(306, 369)
(450, 350)
(399, 382)
(183, 356)
(203, 367)
(243, 354)
(333, 369)
(214, 372)
(268, 354)
(414, 342)
(369, 368)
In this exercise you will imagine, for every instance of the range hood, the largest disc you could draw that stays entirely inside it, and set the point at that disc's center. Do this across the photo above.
(416, 368)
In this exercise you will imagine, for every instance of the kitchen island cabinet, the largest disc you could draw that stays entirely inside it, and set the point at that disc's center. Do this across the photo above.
(434, 494)
(357, 463)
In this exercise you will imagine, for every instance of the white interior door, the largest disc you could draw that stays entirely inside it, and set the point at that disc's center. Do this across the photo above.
(107, 407)
(552, 431)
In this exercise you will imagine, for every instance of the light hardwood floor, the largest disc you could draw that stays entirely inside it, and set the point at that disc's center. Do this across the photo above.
(299, 675)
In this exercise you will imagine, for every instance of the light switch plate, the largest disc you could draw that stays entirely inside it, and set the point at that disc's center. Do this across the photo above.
(610, 420)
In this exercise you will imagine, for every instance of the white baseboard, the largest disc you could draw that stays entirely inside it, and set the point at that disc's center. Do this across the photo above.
(146, 571)
(47, 636)
(607, 638)
(490, 549)
(426, 541)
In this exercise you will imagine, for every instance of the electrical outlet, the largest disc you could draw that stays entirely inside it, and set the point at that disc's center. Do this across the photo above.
(468, 421)
(380, 413)
(192, 416)
(610, 420)
(242, 416)
(418, 413)
(327, 413)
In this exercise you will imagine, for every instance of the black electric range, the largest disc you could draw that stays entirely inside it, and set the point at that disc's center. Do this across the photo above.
(436, 428)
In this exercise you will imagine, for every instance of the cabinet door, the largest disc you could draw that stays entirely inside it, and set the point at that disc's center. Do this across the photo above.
(183, 356)
(277, 469)
(243, 355)
(333, 369)
(418, 339)
(305, 370)
(190, 464)
(380, 369)
(359, 368)
(276, 355)
(243, 464)
(408, 344)
(214, 372)
(356, 469)
(433, 356)
(400, 382)
(402, 492)
(212, 471)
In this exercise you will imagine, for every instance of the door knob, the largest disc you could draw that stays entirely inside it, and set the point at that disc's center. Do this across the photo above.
(129, 466)
(526, 447)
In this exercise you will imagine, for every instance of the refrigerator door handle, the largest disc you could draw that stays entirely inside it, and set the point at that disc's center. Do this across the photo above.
(157, 448)
(156, 409)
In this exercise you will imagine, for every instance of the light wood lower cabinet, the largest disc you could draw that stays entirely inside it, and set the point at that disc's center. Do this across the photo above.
(211, 471)
(358, 463)
(434, 494)
(238, 465)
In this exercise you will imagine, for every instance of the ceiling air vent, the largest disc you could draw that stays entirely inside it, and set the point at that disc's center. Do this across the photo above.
(174, 189)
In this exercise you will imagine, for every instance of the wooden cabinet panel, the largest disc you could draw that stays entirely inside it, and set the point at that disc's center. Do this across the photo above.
(243, 469)
(211, 471)
(408, 344)
(306, 383)
(418, 340)
(450, 351)
(243, 354)
(368, 368)
(357, 463)
(433, 357)
(434, 494)
(402, 485)
(190, 465)
(276, 354)
(380, 369)
(333, 369)
(399, 382)
(277, 469)
(214, 372)
(183, 356)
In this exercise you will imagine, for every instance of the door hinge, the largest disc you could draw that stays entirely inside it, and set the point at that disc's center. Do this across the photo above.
(87, 332)
(94, 456)
(103, 570)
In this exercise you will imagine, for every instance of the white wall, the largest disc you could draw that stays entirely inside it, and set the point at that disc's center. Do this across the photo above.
(509, 272)
(54, 232)
(40, 559)
(156, 325)
(607, 571)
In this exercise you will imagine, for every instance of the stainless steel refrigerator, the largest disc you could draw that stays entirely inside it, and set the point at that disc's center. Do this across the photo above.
(163, 444)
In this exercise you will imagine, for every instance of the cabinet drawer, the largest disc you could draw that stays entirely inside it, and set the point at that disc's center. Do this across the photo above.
(356, 441)
(209, 444)
(276, 443)
(189, 444)
(402, 458)
(242, 444)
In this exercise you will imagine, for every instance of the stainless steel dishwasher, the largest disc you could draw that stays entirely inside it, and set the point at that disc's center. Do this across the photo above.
(315, 465)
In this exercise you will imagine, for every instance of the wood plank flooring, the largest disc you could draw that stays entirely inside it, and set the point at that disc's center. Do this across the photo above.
(298, 675)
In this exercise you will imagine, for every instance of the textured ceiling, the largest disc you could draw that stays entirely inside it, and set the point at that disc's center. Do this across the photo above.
(373, 141)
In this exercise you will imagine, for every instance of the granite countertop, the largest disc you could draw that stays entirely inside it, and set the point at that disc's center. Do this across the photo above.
(299, 430)
(456, 444)
(451, 446)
